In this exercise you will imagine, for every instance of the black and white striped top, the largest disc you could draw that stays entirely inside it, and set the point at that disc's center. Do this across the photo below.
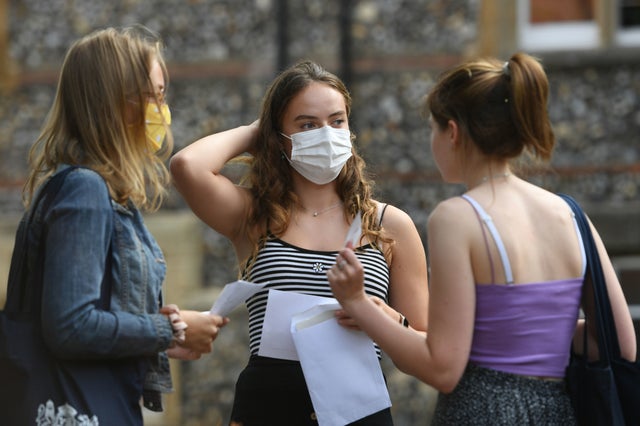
(290, 268)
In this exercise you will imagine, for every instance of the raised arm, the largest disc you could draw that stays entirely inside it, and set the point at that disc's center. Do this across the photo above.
(215, 199)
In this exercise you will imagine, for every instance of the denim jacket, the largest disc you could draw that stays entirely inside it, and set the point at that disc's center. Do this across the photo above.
(84, 226)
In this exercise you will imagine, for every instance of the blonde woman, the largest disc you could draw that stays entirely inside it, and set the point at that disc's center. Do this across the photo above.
(109, 122)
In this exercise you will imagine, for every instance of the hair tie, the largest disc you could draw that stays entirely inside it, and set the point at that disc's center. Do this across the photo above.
(505, 69)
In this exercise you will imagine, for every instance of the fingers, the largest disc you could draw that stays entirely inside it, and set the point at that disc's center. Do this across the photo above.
(178, 352)
(169, 309)
(345, 320)
(220, 321)
(341, 263)
(349, 324)
(202, 330)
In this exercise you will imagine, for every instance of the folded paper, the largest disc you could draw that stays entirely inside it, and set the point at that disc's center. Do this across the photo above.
(276, 341)
(355, 231)
(232, 295)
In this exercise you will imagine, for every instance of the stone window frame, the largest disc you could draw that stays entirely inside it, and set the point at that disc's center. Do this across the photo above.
(602, 32)
(499, 35)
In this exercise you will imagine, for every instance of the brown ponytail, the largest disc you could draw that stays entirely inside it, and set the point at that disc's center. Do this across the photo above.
(501, 107)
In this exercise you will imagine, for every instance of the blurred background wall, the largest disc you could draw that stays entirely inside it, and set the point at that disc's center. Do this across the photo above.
(223, 53)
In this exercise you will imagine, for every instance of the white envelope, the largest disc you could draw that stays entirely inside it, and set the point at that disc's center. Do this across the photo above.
(340, 366)
(276, 341)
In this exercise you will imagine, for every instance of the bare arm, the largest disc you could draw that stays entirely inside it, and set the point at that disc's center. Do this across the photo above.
(438, 360)
(213, 197)
(619, 307)
(409, 289)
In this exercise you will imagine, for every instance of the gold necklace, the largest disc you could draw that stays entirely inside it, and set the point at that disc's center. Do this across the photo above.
(316, 213)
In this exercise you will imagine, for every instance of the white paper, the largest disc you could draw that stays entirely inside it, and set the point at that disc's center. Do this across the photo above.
(355, 231)
(276, 341)
(232, 295)
(340, 366)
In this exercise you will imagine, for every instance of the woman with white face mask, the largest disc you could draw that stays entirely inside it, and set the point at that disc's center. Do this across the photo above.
(306, 185)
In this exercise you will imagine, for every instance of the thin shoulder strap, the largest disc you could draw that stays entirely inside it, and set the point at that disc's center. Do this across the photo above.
(496, 237)
(381, 212)
(583, 253)
(486, 245)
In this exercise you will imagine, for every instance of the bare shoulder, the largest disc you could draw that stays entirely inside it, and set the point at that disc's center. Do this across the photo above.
(394, 218)
(451, 210)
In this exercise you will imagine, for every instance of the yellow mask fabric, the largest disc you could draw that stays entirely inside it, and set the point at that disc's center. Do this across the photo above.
(155, 119)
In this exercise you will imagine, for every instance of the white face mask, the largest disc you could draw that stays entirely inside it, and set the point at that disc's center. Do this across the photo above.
(320, 154)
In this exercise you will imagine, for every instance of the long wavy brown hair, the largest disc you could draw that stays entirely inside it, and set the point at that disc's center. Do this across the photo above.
(97, 118)
(270, 175)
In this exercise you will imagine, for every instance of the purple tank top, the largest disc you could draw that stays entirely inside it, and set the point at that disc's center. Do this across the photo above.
(524, 329)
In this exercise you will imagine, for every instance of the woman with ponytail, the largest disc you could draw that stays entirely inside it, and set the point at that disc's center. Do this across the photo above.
(506, 260)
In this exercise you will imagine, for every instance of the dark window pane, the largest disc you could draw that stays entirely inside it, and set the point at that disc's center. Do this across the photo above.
(629, 14)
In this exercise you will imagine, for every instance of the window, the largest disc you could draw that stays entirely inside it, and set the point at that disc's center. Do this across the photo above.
(628, 23)
(557, 25)
(552, 25)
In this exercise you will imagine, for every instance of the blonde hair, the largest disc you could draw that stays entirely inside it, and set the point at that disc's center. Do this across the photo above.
(270, 176)
(500, 106)
(97, 118)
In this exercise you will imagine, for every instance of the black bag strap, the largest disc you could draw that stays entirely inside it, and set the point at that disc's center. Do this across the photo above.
(20, 291)
(608, 344)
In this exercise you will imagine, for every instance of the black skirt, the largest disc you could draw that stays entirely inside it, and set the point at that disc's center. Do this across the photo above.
(489, 397)
(273, 392)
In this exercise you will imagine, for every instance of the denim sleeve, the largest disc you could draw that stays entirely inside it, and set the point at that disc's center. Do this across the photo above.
(79, 227)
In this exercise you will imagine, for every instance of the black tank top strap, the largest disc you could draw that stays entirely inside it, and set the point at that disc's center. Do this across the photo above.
(381, 212)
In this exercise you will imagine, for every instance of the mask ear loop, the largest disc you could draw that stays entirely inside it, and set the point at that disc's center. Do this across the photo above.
(283, 156)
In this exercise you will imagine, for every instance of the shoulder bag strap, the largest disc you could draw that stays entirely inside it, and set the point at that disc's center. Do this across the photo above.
(19, 292)
(605, 325)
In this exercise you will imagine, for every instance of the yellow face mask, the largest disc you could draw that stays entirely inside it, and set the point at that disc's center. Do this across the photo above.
(155, 120)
